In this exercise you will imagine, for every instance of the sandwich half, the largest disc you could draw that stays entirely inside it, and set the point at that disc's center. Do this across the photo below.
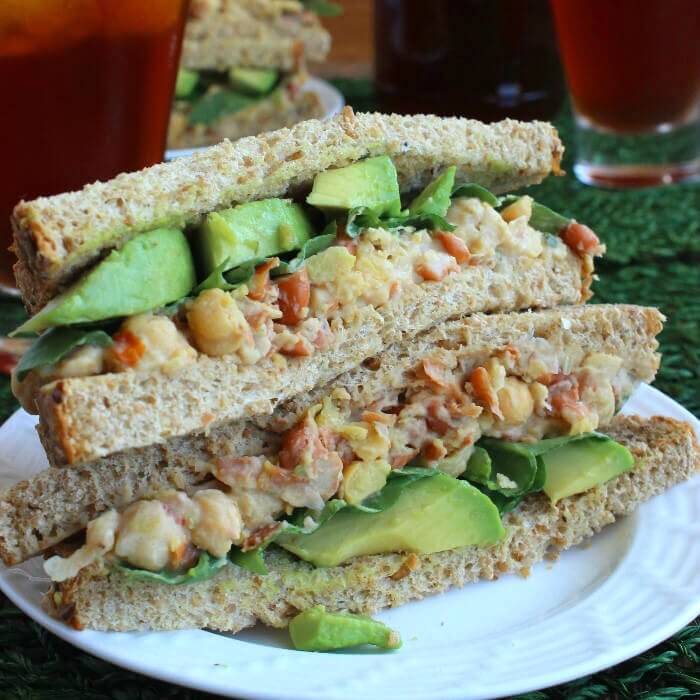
(423, 403)
(243, 70)
(662, 452)
(215, 287)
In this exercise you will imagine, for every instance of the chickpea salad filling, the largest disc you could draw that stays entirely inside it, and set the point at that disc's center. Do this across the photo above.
(278, 278)
(520, 422)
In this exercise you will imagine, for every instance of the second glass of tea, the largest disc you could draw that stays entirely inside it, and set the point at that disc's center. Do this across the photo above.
(633, 70)
(87, 88)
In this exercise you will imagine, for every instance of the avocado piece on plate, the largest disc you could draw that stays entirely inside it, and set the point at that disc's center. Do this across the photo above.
(253, 81)
(431, 514)
(370, 183)
(149, 271)
(252, 230)
(318, 630)
(186, 82)
(583, 464)
(436, 197)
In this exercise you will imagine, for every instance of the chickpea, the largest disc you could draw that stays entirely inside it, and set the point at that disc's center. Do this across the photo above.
(148, 537)
(520, 207)
(160, 346)
(217, 324)
(219, 524)
(515, 401)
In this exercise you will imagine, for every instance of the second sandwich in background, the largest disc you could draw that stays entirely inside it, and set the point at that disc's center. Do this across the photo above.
(243, 70)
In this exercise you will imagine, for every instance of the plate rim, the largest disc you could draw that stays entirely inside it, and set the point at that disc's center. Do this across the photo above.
(114, 653)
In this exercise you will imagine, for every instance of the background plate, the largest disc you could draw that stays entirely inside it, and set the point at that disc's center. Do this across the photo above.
(332, 102)
(637, 583)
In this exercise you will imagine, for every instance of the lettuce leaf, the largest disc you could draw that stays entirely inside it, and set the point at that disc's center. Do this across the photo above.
(323, 8)
(314, 245)
(543, 218)
(519, 462)
(471, 189)
(215, 105)
(362, 218)
(204, 569)
(56, 343)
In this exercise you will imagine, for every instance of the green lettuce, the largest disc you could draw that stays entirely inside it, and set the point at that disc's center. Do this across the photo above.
(53, 345)
(214, 105)
(519, 462)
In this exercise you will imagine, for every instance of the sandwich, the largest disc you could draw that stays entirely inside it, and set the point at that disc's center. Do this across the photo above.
(175, 300)
(243, 70)
(474, 449)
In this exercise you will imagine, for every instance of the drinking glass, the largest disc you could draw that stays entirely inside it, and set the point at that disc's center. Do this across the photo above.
(86, 93)
(633, 70)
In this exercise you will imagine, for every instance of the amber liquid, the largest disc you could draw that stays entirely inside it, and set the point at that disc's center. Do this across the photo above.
(487, 59)
(631, 65)
(87, 87)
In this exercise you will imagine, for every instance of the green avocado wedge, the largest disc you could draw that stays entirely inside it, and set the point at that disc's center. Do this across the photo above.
(436, 197)
(318, 630)
(249, 231)
(149, 271)
(430, 515)
(186, 82)
(253, 81)
(371, 183)
(581, 465)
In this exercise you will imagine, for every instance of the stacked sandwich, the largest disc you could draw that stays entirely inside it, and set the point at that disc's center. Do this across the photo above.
(328, 365)
(243, 70)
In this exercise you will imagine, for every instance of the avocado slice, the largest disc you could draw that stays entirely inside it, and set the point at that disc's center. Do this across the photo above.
(318, 630)
(370, 183)
(186, 82)
(583, 464)
(149, 271)
(436, 197)
(430, 515)
(253, 81)
(252, 230)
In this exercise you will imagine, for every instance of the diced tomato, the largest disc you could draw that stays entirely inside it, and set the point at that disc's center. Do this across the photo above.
(437, 418)
(434, 450)
(564, 394)
(300, 443)
(261, 279)
(580, 238)
(128, 348)
(299, 349)
(454, 245)
(259, 536)
(378, 417)
(294, 295)
(484, 391)
(435, 270)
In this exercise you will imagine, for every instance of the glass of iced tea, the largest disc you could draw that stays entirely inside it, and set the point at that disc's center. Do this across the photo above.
(87, 87)
(633, 70)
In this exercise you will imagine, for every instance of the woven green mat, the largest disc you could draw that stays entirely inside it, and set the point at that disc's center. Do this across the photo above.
(653, 239)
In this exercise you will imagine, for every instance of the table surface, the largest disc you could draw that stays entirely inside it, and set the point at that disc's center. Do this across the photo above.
(653, 239)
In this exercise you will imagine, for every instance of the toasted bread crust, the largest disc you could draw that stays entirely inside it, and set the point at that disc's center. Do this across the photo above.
(666, 453)
(252, 33)
(56, 238)
(42, 511)
(92, 417)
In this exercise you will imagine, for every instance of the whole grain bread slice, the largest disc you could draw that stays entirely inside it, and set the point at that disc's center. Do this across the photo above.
(90, 417)
(58, 502)
(666, 453)
(56, 238)
(252, 33)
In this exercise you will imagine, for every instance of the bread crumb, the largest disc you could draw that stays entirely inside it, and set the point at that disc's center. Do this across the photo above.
(410, 563)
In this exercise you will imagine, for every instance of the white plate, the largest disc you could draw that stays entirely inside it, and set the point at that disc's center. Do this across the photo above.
(332, 102)
(635, 585)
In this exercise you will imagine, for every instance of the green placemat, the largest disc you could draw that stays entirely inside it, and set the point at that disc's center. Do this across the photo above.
(653, 239)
